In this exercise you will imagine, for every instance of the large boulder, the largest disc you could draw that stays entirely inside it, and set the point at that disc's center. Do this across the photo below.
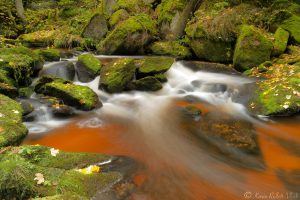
(117, 17)
(81, 97)
(21, 63)
(36, 171)
(130, 36)
(213, 51)
(96, 28)
(115, 77)
(88, 67)
(12, 131)
(172, 17)
(252, 48)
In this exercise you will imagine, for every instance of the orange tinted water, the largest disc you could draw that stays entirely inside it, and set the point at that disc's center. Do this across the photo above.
(176, 182)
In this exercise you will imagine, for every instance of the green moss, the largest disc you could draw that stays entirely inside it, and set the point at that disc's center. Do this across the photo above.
(148, 83)
(38, 39)
(90, 63)
(41, 156)
(4, 78)
(25, 92)
(82, 97)
(155, 65)
(281, 39)
(252, 48)
(17, 179)
(167, 9)
(118, 16)
(171, 48)
(292, 26)
(132, 6)
(118, 40)
(161, 77)
(50, 54)
(67, 196)
(213, 51)
(115, 77)
(20, 63)
(279, 94)
(12, 132)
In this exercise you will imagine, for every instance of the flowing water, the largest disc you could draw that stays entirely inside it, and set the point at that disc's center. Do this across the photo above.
(148, 128)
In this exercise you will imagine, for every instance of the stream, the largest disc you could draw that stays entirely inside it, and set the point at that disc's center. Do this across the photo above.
(150, 128)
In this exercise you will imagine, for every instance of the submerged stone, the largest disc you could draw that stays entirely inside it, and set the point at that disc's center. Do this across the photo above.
(148, 83)
(81, 97)
(252, 48)
(88, 67)
(115, 77)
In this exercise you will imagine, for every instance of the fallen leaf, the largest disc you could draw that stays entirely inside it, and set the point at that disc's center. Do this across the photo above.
(54, 152)
(39, 178)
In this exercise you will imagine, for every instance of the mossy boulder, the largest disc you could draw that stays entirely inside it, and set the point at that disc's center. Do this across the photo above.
(172, 16)
(24, 177)
(281, 40)
(148, 83)
(154, 65)
(279, 94)
(212, 51)
(118, 16)
(252, 48)
(96, 28)
(50, 54)
(12, 131)
(292, 26)
(170, 48)
(8, 90)
(88, 67)
(81, 97)
(130, 36)
(133, 6)
(115, 77)
(38, 39)
(20, 63)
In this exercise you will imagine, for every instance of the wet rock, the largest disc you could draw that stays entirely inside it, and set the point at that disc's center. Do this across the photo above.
(12, 131)
(252, 48)
(214, 88)
(170, 48)
(25, 92)
(44, 171)
(50, 54)
(27, 107)
(81, 97)
(96, 28)
(129, 37)
(278, 95)
(20, 63)
(62, 111)
(64, 69)
(281, 40)
(213, 51)
(291, 181)
(191, 112)
(148, 83)
(88, 67)
(154, 65)
(115, 77)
